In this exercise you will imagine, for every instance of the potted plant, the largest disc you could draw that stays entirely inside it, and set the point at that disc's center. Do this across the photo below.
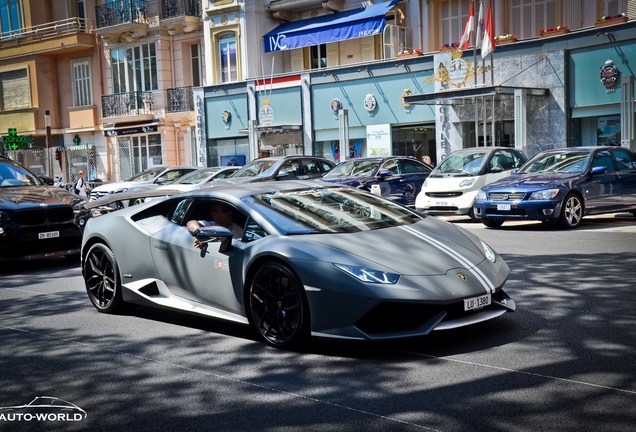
(449, 47)
(553, 31)
(505, 39)
(611, 20)
(410, 53)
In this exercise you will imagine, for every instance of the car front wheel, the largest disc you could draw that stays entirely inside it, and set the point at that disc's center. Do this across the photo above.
(101, 277)
(571, 211)
(278, 307)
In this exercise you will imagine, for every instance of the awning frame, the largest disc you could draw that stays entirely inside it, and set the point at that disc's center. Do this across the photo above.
(469, 93)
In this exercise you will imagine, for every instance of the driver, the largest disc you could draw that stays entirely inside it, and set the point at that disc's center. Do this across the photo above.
(220, 215)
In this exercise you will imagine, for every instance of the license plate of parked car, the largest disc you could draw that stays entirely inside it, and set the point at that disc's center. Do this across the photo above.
(48, 235)
(476, 302)
(441, 203)
(503, 207)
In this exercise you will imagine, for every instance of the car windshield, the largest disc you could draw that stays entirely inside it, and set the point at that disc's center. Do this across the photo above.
(574, 162)
(354, 168)
(15, 175)
(462, 163)
(146, 175)
(330, 210)
(195, 177)
(257, 168)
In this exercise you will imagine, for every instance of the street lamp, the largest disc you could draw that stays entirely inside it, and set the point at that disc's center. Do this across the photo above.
(47, 124)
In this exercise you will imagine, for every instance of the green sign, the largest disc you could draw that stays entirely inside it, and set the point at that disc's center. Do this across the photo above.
(16, 142)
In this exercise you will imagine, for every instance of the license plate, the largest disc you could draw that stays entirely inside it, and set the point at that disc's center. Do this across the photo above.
(441, 203)
(503, 207)
(48, 235)
(476, 302)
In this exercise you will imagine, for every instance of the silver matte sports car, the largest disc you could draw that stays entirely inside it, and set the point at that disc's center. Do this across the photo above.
(315, 259)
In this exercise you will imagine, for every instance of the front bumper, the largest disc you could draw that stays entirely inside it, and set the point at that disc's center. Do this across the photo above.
(547, 210)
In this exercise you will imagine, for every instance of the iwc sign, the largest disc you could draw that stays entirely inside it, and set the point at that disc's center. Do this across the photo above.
(609, 76)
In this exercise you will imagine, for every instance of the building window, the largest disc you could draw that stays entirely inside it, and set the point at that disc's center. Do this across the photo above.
(453, 18)
(530, 16)
(82, 93)
(318, 56)
(137, 153)
(195, 62)
(134, 69)
(10, 17)
(15, 92)
(227, 58)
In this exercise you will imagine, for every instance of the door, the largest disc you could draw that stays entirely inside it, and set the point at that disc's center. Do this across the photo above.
(603, 192)
(626, 166)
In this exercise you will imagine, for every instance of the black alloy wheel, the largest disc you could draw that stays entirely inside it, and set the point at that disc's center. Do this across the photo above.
(101, 277)
(571, 211)
(278, 307)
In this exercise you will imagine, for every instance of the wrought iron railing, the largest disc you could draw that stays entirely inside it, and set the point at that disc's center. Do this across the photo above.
(177, 8)
(180, 99)
(125, 104)
(119, 12)
(54, 28)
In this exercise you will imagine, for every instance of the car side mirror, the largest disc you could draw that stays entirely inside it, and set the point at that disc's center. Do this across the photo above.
(47, 180)
(385, 173)
(599, 170)
(214, 234)
(161, 180)
(496, 169)
(282, 174)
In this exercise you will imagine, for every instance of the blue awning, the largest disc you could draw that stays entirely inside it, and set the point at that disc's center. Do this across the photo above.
(335, 27)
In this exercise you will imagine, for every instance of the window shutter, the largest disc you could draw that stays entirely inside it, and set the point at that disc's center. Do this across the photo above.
(368, 48)
(297, 59)
(333, 54)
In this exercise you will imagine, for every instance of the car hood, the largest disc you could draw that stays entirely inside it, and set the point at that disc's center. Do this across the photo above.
(13, 197)
(532, 181)
(429, 247)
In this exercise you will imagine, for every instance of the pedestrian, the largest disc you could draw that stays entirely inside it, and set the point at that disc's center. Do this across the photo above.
(81, 187)
(428, 161)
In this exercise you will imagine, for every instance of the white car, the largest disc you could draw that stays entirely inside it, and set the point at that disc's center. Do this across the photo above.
(200, 178)
(157, 175)
(452, 186)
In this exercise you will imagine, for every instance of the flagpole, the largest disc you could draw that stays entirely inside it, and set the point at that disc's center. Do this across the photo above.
(492, 69)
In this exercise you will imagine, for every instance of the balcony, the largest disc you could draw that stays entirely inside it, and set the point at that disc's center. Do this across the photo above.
(125, 20)
(137, 103)
(68, 35)
(181, 16)
(180, 99)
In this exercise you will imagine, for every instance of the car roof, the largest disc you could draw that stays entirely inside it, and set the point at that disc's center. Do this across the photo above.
(246, 189)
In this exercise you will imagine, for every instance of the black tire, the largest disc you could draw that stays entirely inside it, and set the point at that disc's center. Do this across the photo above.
(101, 277)
(278, 307)
(492, 223)
(571, 211)
(471, 215)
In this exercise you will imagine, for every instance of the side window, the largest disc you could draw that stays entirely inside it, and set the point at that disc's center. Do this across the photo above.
(311, 167)
(412, 167)
(292, 168)
(325, 166)
(254, 231)
(519, 159)
(624, 160)
(180, 212)
(392, 165)
(603, 158)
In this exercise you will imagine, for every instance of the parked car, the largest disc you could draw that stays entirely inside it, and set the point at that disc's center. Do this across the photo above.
(36, 219)
(398, 178)
(563, 185)
(200, 178)
(281, 168)
(156, 176)
(452, 186)
(312, 261)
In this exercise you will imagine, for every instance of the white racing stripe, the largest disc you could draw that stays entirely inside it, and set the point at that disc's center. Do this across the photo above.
(472, 268)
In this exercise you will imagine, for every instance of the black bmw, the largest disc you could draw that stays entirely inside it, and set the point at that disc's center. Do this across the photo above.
(36, 220)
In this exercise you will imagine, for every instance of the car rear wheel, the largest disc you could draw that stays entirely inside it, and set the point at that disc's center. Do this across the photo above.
(492, 223)
(101, 277)
(571, 211)
(278, 307)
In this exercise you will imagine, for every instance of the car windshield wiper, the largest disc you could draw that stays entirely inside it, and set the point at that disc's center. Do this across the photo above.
(463, 172)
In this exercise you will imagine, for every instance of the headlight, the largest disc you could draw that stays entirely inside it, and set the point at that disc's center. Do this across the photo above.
(547, 194)
(481, 195)
(488, 252)
(467, 183)
(369, 275)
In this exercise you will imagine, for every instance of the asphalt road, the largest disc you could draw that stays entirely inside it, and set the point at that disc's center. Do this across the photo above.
(565, 361)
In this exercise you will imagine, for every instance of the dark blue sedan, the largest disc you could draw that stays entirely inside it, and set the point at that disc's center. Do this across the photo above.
(563, 185)
(398, 178)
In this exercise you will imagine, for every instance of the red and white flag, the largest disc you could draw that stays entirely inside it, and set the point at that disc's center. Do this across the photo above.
(488, 44)
(469, 28)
